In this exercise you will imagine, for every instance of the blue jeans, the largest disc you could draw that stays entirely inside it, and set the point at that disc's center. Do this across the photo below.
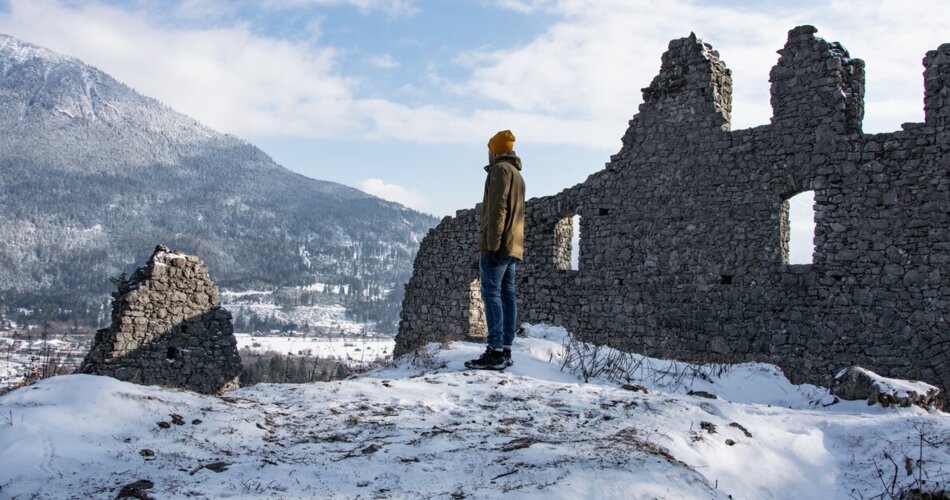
(498, 295)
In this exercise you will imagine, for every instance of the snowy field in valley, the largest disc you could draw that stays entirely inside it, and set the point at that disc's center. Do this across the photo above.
(426, 428)
(348, 349)
(24, 355)
(325, 316)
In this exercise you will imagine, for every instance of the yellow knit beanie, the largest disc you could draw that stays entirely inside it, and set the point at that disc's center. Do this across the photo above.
(502, 142)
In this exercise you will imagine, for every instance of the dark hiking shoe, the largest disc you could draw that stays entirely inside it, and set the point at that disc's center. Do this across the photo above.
(489, 360)
(508, 361)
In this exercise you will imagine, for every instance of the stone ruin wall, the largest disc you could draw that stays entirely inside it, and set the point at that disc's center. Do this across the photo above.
(168, 329)
(683, 236)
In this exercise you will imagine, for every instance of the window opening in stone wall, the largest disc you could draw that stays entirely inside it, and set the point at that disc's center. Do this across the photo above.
(798, 228)
(575, 242)
(476, 310)
(567, 243)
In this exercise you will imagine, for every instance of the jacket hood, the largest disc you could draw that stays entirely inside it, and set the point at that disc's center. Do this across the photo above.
(510, 157)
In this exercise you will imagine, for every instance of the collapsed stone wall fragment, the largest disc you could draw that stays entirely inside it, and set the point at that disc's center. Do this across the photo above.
(684, 234)
(168, 329)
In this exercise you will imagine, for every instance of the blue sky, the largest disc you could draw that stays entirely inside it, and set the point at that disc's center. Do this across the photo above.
(398, 97)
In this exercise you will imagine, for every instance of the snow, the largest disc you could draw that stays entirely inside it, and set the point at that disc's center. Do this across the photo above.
(325, 317)
(319, 317)
(167, 256)
(19, 51)
(350, 350)
(64, 111)
(44, 344)
(241, 294)
(9, 369)
(892, 386)
(423, 427)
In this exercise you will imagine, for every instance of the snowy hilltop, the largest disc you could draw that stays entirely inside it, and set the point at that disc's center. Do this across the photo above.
(422, 427)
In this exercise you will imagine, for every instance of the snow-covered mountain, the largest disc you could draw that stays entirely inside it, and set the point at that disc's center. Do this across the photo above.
(94, 175)
(425, 428)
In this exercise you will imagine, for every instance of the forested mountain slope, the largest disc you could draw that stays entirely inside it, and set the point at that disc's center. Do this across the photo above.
(94, 175)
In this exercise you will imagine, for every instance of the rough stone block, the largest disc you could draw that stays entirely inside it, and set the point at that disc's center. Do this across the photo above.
(143, 346)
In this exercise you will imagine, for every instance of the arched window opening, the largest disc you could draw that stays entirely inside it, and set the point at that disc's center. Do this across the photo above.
(798, 228)
(567, 234)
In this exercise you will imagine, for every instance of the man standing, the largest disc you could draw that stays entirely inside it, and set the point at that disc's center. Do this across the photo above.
(501, 245)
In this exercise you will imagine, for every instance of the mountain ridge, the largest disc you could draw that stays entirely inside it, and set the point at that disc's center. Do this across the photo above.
(95, 173)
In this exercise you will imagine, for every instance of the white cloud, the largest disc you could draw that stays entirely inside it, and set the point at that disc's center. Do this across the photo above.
(523, 6)
(200, 9)
(394, 192)
(576, 83)
(314, 29)
(391, 7)
(591, 64)
(384, 61)
(229, 78)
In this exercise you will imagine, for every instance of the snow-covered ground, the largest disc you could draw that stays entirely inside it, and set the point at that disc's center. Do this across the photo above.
(11, 372)
(348, 350)
(426, 428)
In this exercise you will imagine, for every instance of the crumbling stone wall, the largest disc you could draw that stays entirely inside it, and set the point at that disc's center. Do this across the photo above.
(684, 241)
(168, 329)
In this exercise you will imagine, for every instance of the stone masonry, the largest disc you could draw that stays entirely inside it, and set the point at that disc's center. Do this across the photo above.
(684, 234)
(168, 329)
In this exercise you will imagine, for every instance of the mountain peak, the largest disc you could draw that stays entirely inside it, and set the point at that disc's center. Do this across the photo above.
(15, 49)
(49, 94)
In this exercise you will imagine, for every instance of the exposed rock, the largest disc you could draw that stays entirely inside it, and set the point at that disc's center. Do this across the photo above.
(739, 426)
(137, 489)
(635, 388)
(856, 383)
(702, 394)
(168, 329)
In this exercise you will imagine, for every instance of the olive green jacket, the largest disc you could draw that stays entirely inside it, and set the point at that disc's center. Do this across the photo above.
(502, 227)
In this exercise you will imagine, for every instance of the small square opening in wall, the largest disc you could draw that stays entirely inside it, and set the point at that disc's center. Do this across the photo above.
(725, 279)
(604, 211)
